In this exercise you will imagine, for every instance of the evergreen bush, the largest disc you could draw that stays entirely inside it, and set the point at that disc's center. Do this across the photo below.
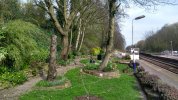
(24, 43)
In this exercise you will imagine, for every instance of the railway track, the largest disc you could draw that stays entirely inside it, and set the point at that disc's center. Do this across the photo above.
(166, 63)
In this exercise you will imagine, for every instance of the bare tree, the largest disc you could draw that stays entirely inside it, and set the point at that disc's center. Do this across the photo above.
(69, 10)
(112, 11)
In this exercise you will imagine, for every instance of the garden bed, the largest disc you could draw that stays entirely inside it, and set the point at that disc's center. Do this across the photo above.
(109, 75)
(66, 84)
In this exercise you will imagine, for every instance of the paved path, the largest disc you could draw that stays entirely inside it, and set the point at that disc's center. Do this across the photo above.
(14, 93)
(165, 75)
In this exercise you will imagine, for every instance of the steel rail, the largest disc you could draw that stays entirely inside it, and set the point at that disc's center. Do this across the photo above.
(161, 62)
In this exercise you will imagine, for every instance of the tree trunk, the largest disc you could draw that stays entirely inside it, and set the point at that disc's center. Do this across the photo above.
(65, 50)
(70, 42)
(52, 63)
(112, 11)
(78, 36)
(83, 35)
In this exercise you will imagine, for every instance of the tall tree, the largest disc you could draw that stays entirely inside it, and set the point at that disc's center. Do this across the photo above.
(69, 10)
(9, 10)
(34, 14)
(112, 11)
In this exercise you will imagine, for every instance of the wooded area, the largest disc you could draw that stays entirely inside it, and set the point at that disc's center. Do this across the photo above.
(26, 28)
(161, 40)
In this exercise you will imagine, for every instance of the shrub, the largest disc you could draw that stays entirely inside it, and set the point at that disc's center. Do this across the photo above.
(91, 66)
(140, 69)
(72, 55)
(95, 51)
(3, 69)
(84, 61)
(64, 63)
(110, 67)
(3, 51)
(13, 78)
(149, 80)
(24, 43)
(165, 91)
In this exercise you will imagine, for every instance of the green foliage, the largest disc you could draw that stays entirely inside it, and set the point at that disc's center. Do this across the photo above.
(110, 67)
(24, 43)
(9, 77)
(40, 55)
(63, 62)
(3, 51)
(3, 69)
(160, 40)
(95, 51)
(72, 55)
(9, 9)
(58, 81)
(84, 61)
(15, 77)
(91, 66)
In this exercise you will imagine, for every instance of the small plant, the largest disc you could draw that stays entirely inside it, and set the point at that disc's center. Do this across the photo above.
(95, 51)
(110, 67)
(84, 61)
(13, 78)
(72, 55)
(91, 66)
(58, 81)
(63, 62)
(3, 69)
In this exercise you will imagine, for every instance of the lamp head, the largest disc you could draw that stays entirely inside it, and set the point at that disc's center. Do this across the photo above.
(139, 17)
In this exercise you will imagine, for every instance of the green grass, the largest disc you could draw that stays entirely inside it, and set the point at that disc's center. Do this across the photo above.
(123, 88)
(84, 61)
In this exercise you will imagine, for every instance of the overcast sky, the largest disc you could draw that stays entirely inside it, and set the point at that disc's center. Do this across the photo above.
(154, 20)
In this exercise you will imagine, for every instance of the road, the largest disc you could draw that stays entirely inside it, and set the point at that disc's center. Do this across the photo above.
(165, 75)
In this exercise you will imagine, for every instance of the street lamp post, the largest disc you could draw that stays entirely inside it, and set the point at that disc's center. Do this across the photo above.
(171, 48)
(136, 18)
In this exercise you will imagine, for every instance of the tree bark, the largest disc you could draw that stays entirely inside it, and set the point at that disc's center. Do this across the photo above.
(65, 50)
(78, 36)
(112, 11)
(52, 73)
(81, 42)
